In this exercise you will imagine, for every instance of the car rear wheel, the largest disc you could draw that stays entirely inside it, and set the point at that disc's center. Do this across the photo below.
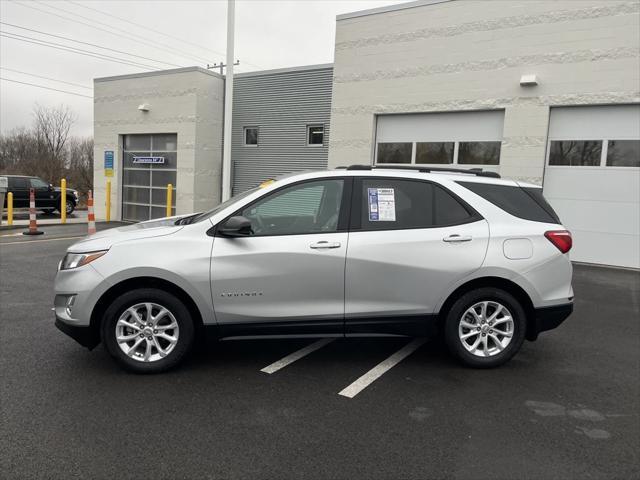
(485, 327)
(147, 330)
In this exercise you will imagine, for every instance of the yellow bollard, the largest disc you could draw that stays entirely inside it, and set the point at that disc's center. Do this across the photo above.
(169, 198)
(108, 212)
(63, 201)
(10, 208)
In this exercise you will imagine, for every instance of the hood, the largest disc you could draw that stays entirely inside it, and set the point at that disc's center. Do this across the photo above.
(106, 238)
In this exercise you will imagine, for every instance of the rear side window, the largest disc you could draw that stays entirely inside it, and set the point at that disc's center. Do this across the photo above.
(525, 203)
(18, 183)
(396, 204)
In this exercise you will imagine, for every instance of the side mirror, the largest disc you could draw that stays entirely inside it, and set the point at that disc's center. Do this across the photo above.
(236, 227)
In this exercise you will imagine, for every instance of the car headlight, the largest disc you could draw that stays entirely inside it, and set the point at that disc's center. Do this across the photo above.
(75, 260)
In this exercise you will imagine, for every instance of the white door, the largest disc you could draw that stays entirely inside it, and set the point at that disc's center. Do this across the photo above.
(592, 180)
(290, 271)
(409, 241)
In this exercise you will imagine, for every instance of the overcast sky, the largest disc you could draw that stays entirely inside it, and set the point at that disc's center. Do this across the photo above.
(269, 34)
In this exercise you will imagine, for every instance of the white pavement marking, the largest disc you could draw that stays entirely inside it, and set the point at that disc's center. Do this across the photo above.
(27, 242)
(376, 372)
(297, 355)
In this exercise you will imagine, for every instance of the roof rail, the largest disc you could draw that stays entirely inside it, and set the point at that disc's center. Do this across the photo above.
(469, 171)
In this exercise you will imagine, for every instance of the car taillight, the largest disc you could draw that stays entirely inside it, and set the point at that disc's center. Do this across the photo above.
(560, 238)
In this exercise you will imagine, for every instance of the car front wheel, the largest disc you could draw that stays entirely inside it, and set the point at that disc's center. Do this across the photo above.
(485, 327)
(147, 330)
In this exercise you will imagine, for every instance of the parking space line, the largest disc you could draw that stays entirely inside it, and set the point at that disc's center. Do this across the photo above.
(376, 372)
(297, 355)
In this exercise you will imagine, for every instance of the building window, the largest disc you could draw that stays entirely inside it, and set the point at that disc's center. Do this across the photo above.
(479, 153)
(623, 153)
(394, 152)
(434, 152)
(582, 153)
(251, 136)
(440, 153)
(315, 135)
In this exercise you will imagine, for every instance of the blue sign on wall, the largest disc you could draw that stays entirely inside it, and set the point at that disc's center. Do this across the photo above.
(108, 163)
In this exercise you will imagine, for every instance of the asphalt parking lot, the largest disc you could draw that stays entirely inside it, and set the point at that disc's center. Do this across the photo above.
(565, 407)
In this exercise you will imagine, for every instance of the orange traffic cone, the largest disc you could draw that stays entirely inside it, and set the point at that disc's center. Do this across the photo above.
(90, 215)
(33, 225)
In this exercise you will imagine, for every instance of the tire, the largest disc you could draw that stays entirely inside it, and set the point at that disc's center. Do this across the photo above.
(71, 206)
(503, 337)
(144, 356)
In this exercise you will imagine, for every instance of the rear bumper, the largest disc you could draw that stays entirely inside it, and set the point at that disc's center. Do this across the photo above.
(84, 335)
(548, 318)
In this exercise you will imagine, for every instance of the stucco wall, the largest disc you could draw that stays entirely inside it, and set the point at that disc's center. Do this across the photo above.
(188, 102)
(470, 55)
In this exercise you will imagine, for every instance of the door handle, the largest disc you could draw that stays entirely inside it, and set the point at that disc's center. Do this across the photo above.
(324, 245)
(457, 238)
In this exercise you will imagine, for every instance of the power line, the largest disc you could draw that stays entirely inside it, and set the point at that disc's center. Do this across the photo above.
(90, 44)
(46, 88)
(161, 33)
(80, 52)
(144, 26)
(45, 78)
(131, 36)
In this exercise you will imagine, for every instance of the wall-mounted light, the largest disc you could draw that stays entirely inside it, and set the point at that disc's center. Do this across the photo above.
(145, 107)
(528, 80)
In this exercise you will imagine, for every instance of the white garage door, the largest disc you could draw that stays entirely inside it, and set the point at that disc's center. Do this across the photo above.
(592, 179)
(468, 139)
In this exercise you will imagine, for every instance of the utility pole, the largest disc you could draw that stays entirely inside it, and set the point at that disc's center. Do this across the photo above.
(220, 66)
(228, 104)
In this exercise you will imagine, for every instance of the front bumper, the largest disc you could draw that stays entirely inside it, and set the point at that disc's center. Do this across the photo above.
(85, 285)
(548, 318)
(84, 335)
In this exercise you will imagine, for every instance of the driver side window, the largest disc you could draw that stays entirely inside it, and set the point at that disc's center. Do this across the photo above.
(310, 207)
(37, 183)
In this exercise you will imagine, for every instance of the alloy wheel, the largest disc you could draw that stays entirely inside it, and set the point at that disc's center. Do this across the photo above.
(486, 328)
(147, 332)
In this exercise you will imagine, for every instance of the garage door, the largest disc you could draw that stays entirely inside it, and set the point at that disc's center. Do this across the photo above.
(468, 139)
(592, 179)
(149, 164)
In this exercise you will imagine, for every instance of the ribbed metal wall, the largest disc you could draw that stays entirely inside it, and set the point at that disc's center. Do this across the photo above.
(281, 104)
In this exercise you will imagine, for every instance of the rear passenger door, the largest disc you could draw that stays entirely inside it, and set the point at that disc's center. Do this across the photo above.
(409, 241)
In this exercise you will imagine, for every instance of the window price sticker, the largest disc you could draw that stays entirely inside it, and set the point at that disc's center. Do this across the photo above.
(382, 205)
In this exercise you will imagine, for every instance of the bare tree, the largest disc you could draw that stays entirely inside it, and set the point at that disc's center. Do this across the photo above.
(52, 127)
(80, 164)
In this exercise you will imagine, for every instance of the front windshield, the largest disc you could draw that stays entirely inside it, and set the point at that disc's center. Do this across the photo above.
(223, 205)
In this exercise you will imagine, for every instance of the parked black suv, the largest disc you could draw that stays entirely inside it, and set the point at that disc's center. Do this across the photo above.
(47, 196)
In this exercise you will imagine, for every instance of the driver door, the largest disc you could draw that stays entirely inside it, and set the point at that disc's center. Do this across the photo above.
(44, 194)
(288, 274)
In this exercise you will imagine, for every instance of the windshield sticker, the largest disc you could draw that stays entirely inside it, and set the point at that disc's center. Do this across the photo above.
(382, 205)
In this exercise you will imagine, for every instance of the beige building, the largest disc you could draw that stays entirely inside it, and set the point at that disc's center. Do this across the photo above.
(538, 90)
(175, 115)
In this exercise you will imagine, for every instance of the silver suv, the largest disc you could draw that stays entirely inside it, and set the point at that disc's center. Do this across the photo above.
(359, 251)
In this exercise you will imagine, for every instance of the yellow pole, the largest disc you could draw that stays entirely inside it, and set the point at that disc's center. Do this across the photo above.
(108, 213)
(10, 208)
(169, 195)
(63, 201)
